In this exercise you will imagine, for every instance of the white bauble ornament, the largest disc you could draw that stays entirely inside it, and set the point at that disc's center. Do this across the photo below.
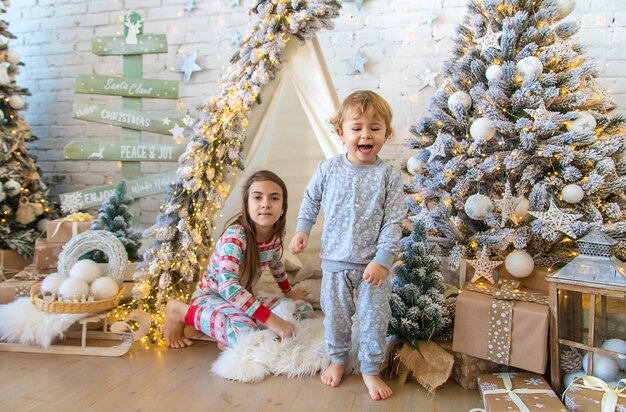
(73, 287)
(12, 187)
(478, 206)
(85, 269)
(584, 122)
(460, 98)
(16, 102)
(619, 346)
(604, 367)
(42, 224)
(529, 67)
(414, 165)
(481, 129)
(565, 7)
(569, 377)
(521, 210)
(572, 193)
(519, 263)
(104, 287)
(494, 72)
(1, 115)
(13, 57)
(52, 282)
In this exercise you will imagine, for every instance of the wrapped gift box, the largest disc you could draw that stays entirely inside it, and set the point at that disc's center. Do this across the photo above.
(516, 392)
(11, 263)
(18, 286)
(47, 254)
(527, 344)
(62, 230)
(588, 394)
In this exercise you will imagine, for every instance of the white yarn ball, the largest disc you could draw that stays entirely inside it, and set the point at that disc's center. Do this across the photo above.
(74, 287)
(519, 263)
(565, 7)
(478, 206)
(584, 122)
(414, 165)
(104, 288)
(481, 129)
(619, 346)
(569, 377)
(494, 72)
(521, 210)
(572, 193)
(52, 282)
(529, 67)
(460, 98)
(85, 269)
(13, 57)
(16, 101)
(604, 367)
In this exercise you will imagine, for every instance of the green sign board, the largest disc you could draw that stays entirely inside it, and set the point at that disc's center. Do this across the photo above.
(131, 119)
(93, 197)
(117, 45)
(128, 152)
(126, 86)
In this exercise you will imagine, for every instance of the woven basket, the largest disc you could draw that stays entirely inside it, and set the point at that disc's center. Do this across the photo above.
(71, 307)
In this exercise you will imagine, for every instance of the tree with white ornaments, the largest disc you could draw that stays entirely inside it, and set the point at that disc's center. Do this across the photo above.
(520, 152)
(23, 194)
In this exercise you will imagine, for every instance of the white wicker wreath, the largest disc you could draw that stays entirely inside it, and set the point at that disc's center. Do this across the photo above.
(92, 240)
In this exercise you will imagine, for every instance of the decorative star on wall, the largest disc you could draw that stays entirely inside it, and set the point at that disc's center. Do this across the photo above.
(427, 78)
(436, 149)
(189, 65)
(177, 132)
(189, 5)
(483, 267)
(555, 219)
(490, 39)
(166, 121)
(234, 37)
(358, 3)
(233, 3)
(427, 17)
(357, 63)
(541, 114)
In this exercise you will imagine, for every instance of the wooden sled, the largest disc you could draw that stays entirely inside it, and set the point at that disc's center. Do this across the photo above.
(92, 342)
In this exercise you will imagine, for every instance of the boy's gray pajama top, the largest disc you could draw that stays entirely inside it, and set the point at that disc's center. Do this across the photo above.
(363, 210)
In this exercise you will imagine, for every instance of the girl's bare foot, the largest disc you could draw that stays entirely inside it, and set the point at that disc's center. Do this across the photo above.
(377, 388)
(174, 330)
(332, 374)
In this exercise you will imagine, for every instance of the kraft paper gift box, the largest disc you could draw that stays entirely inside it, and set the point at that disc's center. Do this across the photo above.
(18, 286)
(47, 254)
(591, 394)
(62, 230)
(11, 263)
(505, 331)
(517, 392)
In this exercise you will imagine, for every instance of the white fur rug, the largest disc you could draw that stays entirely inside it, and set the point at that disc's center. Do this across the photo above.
(21, 322)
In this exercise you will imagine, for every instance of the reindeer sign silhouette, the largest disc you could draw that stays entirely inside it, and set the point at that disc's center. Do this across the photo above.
(133, 25)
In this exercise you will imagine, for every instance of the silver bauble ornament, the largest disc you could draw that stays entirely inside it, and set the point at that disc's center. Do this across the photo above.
(519, 263)
(414, 165)
(460, 98)
(529, 67)
(572, 193)
(477, 206)
(494, 72)
(481, 129)
(584, 122)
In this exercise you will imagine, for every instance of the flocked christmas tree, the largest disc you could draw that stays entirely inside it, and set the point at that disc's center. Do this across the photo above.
(519, 153)
(23, 194)
(115, 216)
(419, 310)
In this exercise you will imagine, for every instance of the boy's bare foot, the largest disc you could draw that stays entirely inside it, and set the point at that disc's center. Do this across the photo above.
(173, 332)
(377, 388)
(332, 374)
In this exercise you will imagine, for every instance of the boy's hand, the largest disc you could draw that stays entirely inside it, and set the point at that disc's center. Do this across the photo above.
(298, 294)
(375, 274)
(298, 243)
(280, 326)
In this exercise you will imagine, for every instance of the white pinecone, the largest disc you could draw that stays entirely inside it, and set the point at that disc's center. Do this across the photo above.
(571, 361)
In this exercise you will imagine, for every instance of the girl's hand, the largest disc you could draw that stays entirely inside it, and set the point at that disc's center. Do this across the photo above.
(280, 326)
(298, 243)
(375, 274)
(298, 294)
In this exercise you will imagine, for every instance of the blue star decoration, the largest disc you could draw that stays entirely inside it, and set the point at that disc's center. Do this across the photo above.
(357, 63)
(359, 3)
(234, 38)
(190, 5)
(233, 3)
(189, 65)
(428, 17)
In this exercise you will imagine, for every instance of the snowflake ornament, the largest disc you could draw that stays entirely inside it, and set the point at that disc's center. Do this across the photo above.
(533, 381)
(483, 267)
(72, 203)
(491, 39)
(556, 219)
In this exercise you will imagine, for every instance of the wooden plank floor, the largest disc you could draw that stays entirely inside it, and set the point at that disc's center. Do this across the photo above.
(160, 379)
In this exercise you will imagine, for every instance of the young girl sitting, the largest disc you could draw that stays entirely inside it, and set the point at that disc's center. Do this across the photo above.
(223, 306)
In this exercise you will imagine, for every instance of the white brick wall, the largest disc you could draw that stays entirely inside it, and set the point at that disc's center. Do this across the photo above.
(54, 39)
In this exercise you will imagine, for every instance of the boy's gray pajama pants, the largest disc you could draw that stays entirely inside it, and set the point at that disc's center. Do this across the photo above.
(337, 302)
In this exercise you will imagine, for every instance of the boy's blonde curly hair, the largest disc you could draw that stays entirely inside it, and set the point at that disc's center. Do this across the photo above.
(360, 102)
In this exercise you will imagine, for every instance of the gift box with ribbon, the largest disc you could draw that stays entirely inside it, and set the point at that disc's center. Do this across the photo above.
(47, 254)
(517, 392)
(11, 263)
(62, 230)
(591, 394)
(18, 286)
(504, 324)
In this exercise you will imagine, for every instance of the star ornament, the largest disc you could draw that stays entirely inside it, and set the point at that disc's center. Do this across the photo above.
(490, 39)
(483, 267)
(189, 65)
(428, 17)
(541, 114)
(427, 78)
(190, 5)
(437, 149)
(556, 220)
(507, 204)
(177, 132)
(357, 63)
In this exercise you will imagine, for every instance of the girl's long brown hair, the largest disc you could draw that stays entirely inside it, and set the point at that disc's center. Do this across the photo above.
(251, 259)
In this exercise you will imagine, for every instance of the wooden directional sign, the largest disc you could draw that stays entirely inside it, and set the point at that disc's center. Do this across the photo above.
(126, 86)
(116, 45)
(128, 152)
(131, 119)
(93, 197)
